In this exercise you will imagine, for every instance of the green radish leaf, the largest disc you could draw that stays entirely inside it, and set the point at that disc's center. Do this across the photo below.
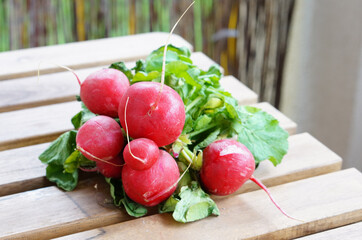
(140, 66)
(56, 155)
(71, 163)
(133, 209)
(121, 66)
(119, 197)
(208, 140)
(116, 190)
(76, 160)
(186, 179)
(145, 77)
(262, 135)
(194, 204)
(67, 181)
(169, 205)
(80, 118)
(60, 149)
(154, 60)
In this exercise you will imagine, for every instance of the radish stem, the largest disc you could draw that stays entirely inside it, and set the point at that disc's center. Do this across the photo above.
(262, 186)
(99, 159)
(61, 66)
(129, 146)
(154, 106)
(167, 189)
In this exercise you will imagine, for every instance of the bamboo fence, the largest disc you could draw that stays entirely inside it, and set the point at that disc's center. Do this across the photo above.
(247, 37)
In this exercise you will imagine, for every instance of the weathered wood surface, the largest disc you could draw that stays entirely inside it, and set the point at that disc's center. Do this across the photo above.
(322, 202)
(32, 208)
(349, 232)
(26, 172)
(35, 125)
(46, 123)
(239, 91)
(298, 164)
(21, 170)
(49, 212)
(28, 92)
(82, 54)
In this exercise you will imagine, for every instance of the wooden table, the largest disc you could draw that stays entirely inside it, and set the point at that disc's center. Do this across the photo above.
(309, 184)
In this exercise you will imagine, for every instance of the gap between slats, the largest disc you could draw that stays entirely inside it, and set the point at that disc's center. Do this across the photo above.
(310, 199)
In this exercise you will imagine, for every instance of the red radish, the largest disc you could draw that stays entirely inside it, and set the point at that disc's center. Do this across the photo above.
(111, 168)
(154, 185)
(227, 164)
(149, 115)
(140, 154)
(100, 139)
(102, 90)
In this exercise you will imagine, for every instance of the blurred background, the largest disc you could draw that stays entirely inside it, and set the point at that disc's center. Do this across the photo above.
(302, 56)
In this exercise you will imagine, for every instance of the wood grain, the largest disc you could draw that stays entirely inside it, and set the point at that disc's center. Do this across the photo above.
(22, 63)
(323, 202)
(349, 232)
(36, 125)
(46, 123)
(50, 212)
(21, 170)
(297, 165)
(238, 90)
(203, 61)
(28, 92)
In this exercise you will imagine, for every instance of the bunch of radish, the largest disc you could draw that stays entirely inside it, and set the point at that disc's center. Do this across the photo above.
(135, 127)
(154, 116)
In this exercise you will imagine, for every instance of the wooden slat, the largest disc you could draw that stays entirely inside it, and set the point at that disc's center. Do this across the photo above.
(349, 232)
(203, 61)
(46, 123)
(297, 164)
(323, 202)
(60, 87)
(239, 91)
(35, 125)
(284, 121)
(51, 88)
(26, 172)
(49, 212)
(22, 63)
(21, 170)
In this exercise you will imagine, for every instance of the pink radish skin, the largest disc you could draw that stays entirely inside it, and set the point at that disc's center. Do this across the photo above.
(102, 91)
(154, 185)
(111, 168)
(100, 139)
(146, 153)
(162, 123)
(227, 165)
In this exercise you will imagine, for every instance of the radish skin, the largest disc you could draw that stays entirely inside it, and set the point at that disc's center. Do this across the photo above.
(100, 139)
(111, 168)
(102, 91)
(143, 155)
(227, 165)
(164, 124)
(144, 187)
